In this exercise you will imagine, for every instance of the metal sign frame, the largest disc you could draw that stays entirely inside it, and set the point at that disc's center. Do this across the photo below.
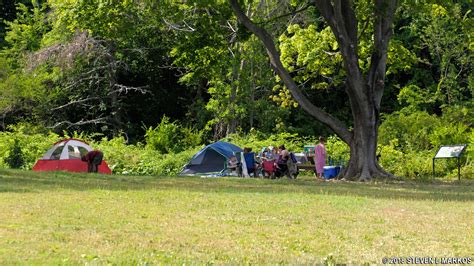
(457, 153)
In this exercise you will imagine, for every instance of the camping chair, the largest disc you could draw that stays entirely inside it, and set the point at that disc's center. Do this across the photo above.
(251, 163)
(269, 168)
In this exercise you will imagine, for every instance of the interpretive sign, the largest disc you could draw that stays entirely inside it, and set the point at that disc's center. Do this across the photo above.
(451, 151)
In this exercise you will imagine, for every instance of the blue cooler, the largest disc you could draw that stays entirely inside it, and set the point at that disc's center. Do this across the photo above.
(331, 171)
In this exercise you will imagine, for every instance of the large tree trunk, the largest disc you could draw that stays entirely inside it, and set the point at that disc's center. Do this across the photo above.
(363, 164)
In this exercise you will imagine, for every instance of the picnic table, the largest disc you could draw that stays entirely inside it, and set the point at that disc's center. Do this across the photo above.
(305, 162)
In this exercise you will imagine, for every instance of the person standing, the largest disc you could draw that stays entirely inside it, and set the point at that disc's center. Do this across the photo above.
(93, 159)
(320, 157)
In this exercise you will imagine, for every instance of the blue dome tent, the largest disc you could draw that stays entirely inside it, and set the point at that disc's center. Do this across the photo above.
(211, 159)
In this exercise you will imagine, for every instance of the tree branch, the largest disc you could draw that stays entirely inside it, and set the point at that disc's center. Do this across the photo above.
(120, 89)
(335, 124)
(285, 15)
(385, 11)
(100, 120)
(75, 102)
(187, 28)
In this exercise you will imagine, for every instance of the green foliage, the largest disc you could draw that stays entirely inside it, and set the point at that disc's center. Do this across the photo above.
(25, 141)
(25, 32)
(171, 137)
(408, 142)
(440, 35)
(136, 160)
(14, 157)
(257, 140)
(409, 131)
(412, 164)
(337, 150)
(421, 131)
(109, 19)
(314, 50)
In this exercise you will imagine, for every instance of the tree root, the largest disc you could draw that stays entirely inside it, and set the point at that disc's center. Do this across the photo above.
(376, 172)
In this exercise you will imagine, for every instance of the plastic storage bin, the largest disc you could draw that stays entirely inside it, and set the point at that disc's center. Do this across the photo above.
(331, 171)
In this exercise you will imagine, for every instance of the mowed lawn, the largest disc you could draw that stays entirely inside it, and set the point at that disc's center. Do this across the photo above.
(60, 218)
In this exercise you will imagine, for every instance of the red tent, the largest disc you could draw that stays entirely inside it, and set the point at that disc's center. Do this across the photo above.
(65, 155)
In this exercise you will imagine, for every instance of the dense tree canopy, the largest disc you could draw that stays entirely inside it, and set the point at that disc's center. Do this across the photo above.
(120, 67)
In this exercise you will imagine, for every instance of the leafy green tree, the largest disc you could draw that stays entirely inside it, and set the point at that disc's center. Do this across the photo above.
(224, 65)
(364, 90)
(100, 57)
(440, 33)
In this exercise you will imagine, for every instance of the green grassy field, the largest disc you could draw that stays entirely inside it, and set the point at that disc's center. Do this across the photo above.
(59, 218)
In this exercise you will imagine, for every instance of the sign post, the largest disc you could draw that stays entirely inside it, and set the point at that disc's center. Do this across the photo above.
(451, 151)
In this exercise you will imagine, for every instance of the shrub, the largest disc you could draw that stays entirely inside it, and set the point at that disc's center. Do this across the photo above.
(31, 141)
(29, 144)
(409, 165)
(448, 134)
(14, 157)
(138, 160)
(408, 142)
(411, 131)
(171, 137)
(338, 150)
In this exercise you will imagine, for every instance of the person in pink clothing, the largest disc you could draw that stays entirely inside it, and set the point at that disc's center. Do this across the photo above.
(320, 157)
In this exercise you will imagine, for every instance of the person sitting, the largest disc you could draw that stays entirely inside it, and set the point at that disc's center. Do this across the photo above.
(233, 165)
(282, 162)
(273, 153)
(93, 159)
(265, 154)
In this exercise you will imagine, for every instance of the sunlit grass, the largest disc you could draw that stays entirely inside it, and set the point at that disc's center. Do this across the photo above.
(60, 218)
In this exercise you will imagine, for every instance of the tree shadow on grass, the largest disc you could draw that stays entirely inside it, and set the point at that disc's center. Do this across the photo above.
(14, 181)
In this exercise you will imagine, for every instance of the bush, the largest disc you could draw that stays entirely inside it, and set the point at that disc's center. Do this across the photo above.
(411, 132)
(408, 142)
(338, 150)
(32, 141)
(14, 157)
(171, 137)
(139, 160)
(414, 165)
(24, 145)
